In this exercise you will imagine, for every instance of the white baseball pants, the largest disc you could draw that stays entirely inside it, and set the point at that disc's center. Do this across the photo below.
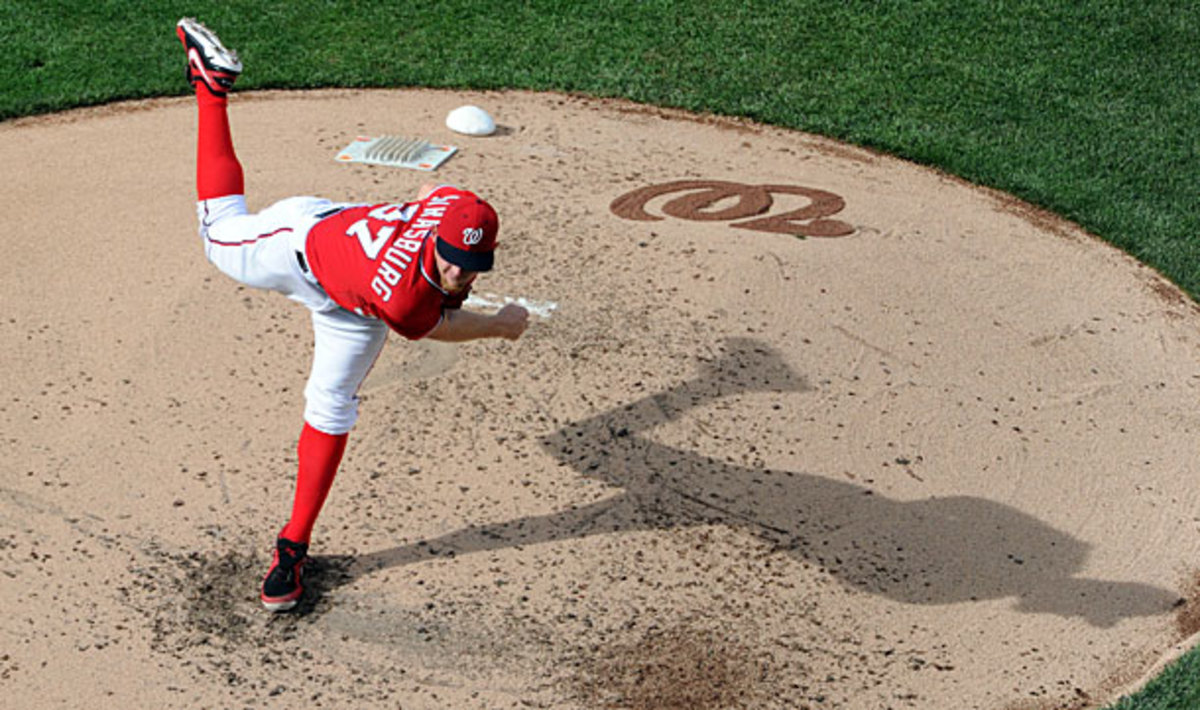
(265, 250)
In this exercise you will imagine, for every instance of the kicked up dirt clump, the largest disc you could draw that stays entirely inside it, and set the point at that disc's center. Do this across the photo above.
(211, 599)
(1187, 614)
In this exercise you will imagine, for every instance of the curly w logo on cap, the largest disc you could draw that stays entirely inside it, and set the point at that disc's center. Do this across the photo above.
(466, 232)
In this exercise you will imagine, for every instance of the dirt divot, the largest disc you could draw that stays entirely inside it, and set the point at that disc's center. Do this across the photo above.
(1187, 617)
(684, 667)
(211, 599)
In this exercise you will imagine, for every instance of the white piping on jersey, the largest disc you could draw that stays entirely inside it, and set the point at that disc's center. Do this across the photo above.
(425, 240)
(251, 240)
(424, 273)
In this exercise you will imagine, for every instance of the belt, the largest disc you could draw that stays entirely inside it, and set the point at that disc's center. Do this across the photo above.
(303, 262)
(308, 274)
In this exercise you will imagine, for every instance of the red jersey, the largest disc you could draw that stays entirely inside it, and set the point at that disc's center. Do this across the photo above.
(378, 261)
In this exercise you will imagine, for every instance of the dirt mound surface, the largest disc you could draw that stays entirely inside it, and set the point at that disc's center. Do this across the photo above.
(796, 425)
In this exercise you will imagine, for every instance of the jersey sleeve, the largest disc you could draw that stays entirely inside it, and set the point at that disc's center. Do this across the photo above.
(441, 317)
(416, 327)
(456, 301)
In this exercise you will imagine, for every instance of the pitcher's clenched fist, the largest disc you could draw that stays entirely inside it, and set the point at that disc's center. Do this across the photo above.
(511, 321)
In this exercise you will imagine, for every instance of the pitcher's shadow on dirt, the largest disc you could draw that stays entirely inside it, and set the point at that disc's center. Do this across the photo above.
(931, 551)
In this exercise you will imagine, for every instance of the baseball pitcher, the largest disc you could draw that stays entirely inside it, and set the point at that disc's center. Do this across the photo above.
(361, 269)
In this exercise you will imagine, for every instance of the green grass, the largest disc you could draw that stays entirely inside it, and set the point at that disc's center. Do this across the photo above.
(1176, 689)
(1090, 109)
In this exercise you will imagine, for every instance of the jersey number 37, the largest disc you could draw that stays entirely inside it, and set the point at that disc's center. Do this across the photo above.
(373, 243)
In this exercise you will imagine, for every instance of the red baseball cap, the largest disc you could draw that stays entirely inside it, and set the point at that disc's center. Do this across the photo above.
(466, 233)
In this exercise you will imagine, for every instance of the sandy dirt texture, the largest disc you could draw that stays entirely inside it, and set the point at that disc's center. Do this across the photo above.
(810, 427)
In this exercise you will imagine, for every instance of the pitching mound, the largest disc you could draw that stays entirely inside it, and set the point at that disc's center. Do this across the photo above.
(797, 425)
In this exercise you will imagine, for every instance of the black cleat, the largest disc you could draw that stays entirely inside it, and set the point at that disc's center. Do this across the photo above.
(281, 588)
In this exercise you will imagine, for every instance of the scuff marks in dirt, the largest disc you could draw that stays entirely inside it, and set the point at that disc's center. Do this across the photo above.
(685, 666)
(1187, 612)
(210, 599)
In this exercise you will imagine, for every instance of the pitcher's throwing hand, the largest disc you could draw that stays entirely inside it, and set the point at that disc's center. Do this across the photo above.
(512, 321)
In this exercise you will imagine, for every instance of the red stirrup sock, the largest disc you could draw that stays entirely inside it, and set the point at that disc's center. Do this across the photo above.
(320, 454)
(218, 172)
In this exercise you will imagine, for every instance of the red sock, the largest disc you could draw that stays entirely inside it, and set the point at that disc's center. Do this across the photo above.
(320, 454)
(218, 172)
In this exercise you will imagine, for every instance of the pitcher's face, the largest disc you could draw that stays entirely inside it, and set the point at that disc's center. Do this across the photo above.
(454, 278)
